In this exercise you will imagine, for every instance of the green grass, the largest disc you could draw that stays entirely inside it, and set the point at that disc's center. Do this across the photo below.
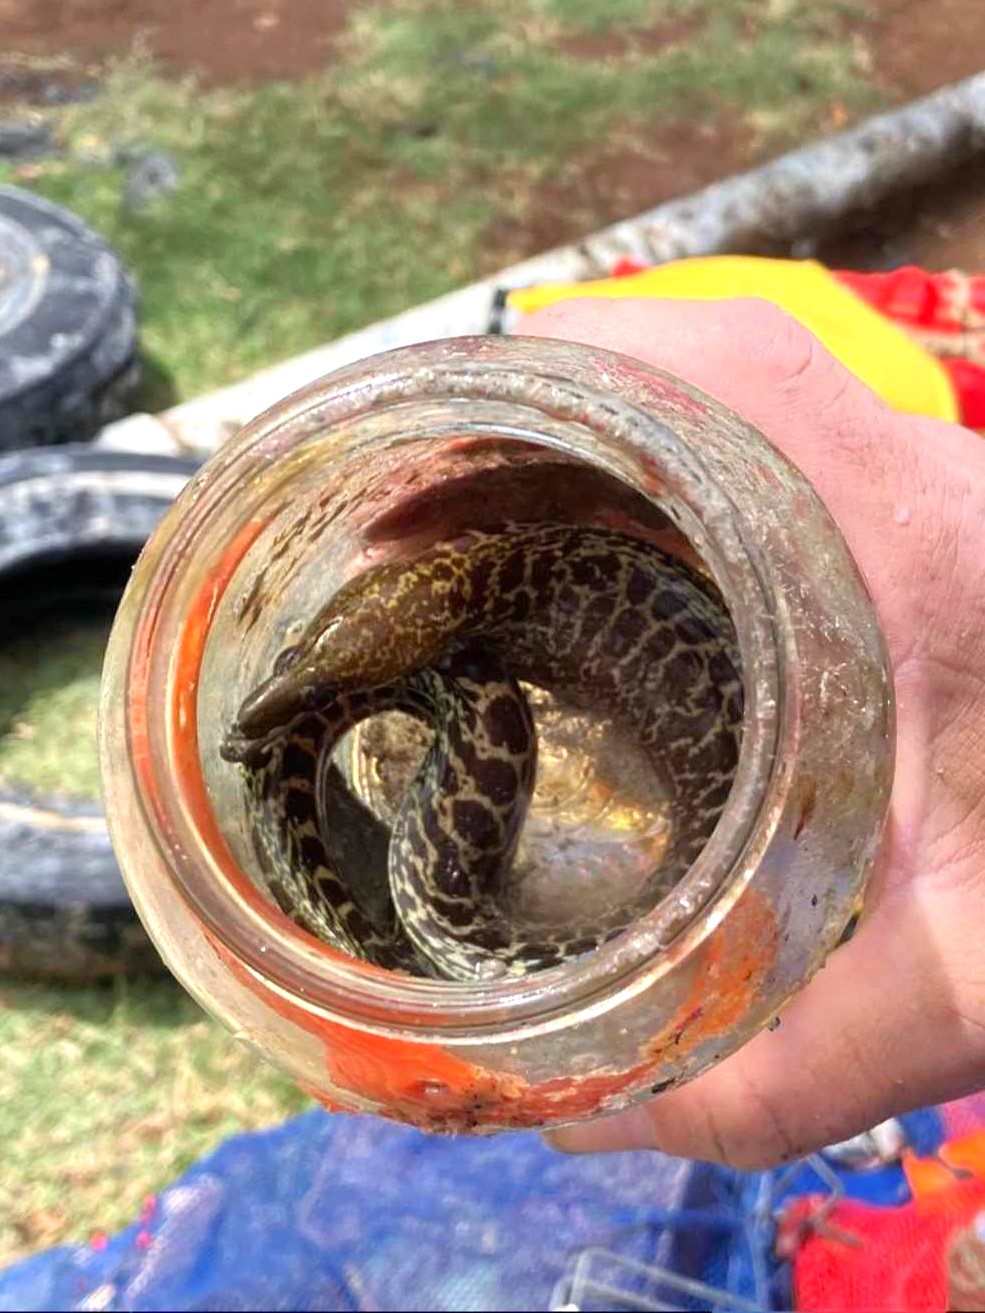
(105, 1095)
(304, 211)
(48, 710)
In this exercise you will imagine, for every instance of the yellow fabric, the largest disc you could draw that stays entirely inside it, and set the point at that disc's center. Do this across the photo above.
(892, 364)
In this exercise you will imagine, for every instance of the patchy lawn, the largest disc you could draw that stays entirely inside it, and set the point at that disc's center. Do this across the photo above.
(305, 209)
(48, 709)
(106, 1095)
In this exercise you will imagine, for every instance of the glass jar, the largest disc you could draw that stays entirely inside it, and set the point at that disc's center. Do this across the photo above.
(378, 459)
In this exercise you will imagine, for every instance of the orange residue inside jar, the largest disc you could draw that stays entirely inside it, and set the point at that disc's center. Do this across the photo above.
(733, 969)
(183, 712)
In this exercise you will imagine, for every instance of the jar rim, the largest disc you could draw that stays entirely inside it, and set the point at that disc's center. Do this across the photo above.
(161, 698)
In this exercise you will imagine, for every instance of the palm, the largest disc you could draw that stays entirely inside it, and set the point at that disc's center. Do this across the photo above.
(897, 1017)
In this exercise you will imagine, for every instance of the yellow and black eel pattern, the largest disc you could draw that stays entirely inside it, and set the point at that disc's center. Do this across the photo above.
(595, 616)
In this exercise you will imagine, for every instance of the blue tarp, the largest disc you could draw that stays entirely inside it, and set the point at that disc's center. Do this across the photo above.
(338, 1212)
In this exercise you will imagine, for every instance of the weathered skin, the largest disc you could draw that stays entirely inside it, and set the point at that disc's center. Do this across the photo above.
(594, 615)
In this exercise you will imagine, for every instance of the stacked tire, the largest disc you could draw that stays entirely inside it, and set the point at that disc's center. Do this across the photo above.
(68, 326)
(73, 519)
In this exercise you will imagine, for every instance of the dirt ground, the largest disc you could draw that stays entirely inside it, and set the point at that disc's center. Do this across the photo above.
(918, 47)
(221, 41)
(915, 47)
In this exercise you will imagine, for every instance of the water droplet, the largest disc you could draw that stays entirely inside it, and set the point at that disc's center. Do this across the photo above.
(434, 1089)
(902, 515)
(492, 969)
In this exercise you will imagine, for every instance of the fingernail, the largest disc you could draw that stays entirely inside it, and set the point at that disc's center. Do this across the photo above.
(632, 1129)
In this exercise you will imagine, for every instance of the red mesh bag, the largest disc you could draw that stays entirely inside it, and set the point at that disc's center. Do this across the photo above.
(892, 1259)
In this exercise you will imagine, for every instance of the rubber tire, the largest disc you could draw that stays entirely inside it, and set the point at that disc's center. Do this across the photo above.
(68, 326)
(72, 522)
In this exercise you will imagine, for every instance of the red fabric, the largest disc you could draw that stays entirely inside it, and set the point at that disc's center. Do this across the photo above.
(968, 381)
(899, 1261)
(949, 302)
(626, 266)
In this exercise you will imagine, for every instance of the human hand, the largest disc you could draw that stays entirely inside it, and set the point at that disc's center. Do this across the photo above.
(896, 1020)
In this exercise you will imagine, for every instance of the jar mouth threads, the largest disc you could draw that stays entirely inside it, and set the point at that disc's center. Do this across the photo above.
(658, 475)
(376, 459)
